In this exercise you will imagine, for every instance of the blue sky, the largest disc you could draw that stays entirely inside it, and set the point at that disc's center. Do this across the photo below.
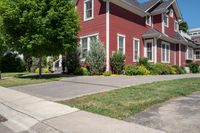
(190, 10)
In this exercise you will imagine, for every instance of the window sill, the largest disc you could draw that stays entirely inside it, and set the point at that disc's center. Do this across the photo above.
(89, 19)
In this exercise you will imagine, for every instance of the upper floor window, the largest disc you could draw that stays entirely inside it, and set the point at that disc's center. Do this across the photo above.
(176, 26)
(189, 53)
(136, 49)
(165, 52)
(197, 54)
(121, 43)
(166, 20)
(88, 9)
(171, 13)
(85, 44)
(148, 20)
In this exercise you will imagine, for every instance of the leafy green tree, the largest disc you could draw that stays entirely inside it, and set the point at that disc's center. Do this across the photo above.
(96, 57)
(40, 27)
(184, 26)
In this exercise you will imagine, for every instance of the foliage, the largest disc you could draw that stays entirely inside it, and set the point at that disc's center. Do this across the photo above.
(136, 70)
(179, 70)
(144, 62)
(130, 70)
(142, 70)
(40, 27)
(72, 59)
(107, 74)
(11, 62)
(117, 62)
(96, 58)
(184, 26)
(44, 70)
(162, 69)
(81, 71)
(194, 67)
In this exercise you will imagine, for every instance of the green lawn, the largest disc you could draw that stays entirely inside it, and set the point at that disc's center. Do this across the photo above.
(13, 79)
(125, 102)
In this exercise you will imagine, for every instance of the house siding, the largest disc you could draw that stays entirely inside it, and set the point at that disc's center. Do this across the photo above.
(96, 25)
(157, 22)
(128, 24)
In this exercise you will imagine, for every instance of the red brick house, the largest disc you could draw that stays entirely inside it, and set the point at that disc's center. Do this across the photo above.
(149, 29)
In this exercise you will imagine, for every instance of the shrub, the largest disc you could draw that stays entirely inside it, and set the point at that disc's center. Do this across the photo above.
(144, 62)
(81, 71)
(179, 70)
(72, 61)
(44, 70)
(161, 69)
(11, 62)
(130, 70)
(107, 74)
(96, 58)
(136, 70)
(117, 62)
(194, 67)
(142, 70)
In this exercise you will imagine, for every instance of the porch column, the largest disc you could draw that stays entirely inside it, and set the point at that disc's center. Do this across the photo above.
(107, 35)
(179, 54)
(155, 50)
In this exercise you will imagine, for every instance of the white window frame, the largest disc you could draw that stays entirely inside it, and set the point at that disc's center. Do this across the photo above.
(169, 54)
(84, 12)
(134, 59)
(88, 42)
(171, 13)
(196, 55)
(176, 29)
(187, 54)
(150, 21)
(145, 49)
(166, 25)
(124, 44)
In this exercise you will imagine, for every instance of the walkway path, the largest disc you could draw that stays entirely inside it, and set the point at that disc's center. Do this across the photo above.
(26, 113)
(71, 87)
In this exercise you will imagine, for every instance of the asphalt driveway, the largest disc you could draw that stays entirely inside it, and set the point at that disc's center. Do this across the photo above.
(71, 87)
(181, 115)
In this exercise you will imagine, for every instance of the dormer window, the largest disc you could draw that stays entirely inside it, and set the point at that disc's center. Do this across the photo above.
(88, 9)
(148, 20)
(171, 13)
(166, 20)
(176, 26)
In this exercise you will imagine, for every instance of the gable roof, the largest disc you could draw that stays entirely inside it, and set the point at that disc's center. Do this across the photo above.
(142, 8)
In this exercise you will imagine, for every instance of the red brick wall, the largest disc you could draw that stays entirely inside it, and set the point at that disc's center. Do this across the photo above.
(96, 25)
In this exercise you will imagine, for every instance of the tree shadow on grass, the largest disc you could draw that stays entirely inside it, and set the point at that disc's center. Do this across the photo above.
(44, 76)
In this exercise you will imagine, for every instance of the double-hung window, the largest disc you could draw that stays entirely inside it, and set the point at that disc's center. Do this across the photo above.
(148, 20)
(176, 26)
(165, 52)
(85, 44)
(148, 50)
(197, 54)
(88, 9)
(136, 49)
(166, 20)
(121, 41)
(189, 53)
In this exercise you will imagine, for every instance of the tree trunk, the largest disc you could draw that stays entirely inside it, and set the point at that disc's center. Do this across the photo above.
(40, 67)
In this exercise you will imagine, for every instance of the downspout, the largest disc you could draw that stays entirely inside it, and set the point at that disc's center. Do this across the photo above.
(107, 35)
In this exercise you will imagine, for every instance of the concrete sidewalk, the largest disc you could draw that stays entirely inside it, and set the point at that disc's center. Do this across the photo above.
(26, 113)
